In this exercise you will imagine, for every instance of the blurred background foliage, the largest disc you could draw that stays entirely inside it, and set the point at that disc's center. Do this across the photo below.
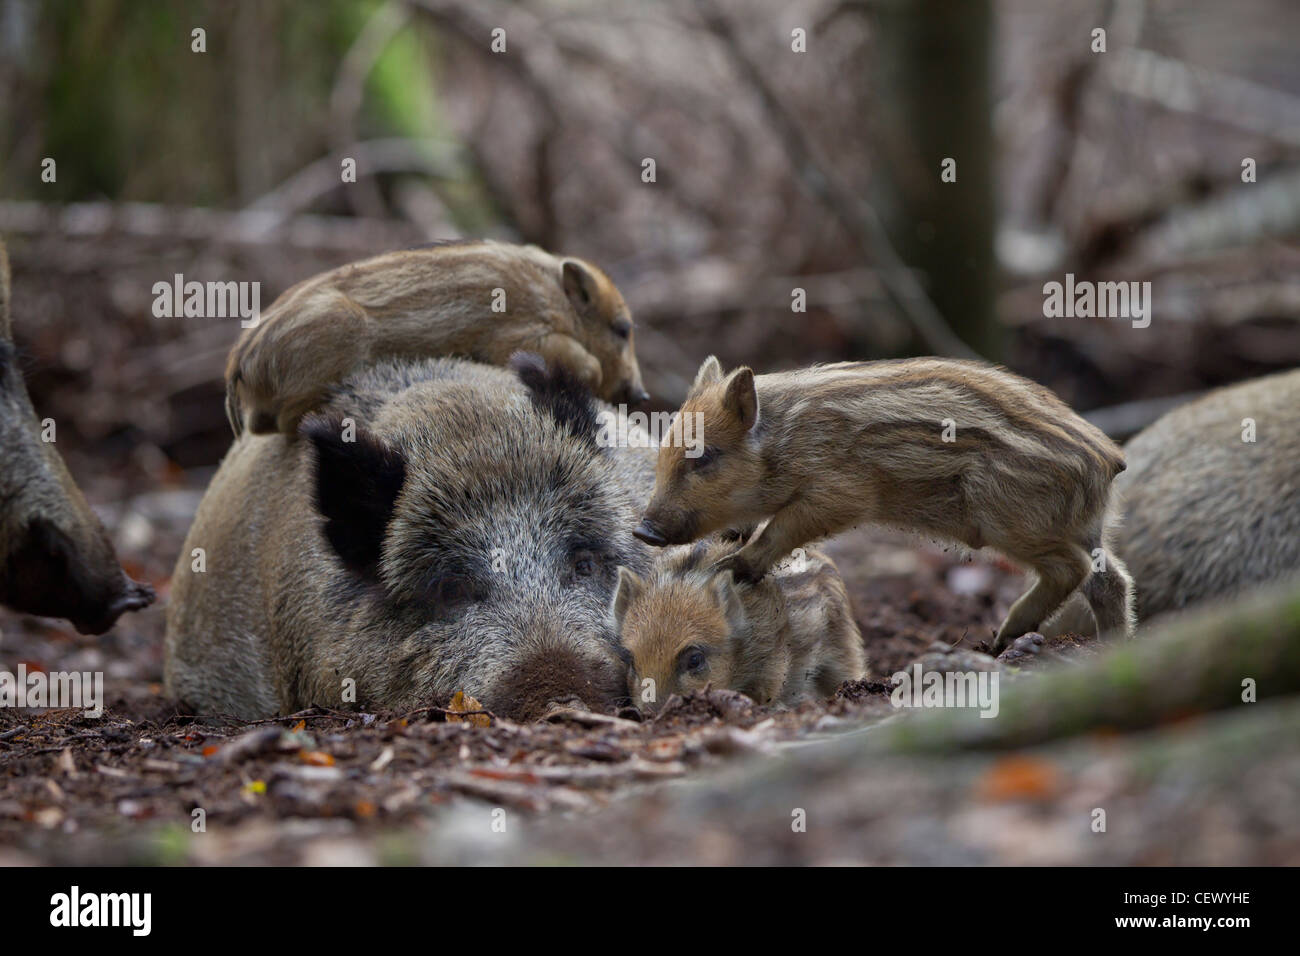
(776, 170)
(117, 85)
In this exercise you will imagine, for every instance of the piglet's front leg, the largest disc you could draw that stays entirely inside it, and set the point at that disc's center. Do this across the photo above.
(790, 527)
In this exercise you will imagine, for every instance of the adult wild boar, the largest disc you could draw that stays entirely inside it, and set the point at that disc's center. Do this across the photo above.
(55, 557)
(1211, 499)
(434, 526)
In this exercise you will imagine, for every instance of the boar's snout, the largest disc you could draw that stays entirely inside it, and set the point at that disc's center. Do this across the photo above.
(51, 574)
(134, 596)
(596, 676)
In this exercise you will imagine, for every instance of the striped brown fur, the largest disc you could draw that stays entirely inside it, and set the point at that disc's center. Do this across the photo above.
(821, 449)
(788, 636)
(430, 302)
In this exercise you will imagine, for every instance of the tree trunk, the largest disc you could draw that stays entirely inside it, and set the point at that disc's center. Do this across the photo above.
(932, 82)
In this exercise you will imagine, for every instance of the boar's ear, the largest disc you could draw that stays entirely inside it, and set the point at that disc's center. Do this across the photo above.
(625, 592)
(559, 393)
(358, 478)
(709, 374)
(580, 284)
(740, 398)
(733, 608)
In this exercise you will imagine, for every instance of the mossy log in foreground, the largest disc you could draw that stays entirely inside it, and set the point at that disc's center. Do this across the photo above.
(1202, 661)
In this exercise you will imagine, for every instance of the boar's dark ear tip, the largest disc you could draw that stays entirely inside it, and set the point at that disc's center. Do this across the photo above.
(558, 392)
(530, 367)
(317, 427)
(358, 479)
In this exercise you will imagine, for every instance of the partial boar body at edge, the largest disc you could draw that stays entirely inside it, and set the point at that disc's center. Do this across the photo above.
(55, 556)
(1208, 514)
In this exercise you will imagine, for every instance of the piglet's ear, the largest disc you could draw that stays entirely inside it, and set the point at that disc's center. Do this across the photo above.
(710, 373)
(741, 398)
(729, 601)
(625, 592)
(580, 284)
(358, 478)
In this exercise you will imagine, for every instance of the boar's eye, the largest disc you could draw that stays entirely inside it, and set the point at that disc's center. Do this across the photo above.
(585, 563)
(453, 589)
(693, 660)
(622, 326)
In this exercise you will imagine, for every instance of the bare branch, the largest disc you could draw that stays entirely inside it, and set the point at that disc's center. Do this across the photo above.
(434, 157)
(349, 90)
(857, 216)
(179, 223)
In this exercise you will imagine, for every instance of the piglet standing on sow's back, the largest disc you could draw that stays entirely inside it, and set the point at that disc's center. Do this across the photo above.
(963, 451)
(475, 299)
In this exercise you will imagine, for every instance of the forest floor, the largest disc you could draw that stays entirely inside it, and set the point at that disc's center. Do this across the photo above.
(144, 783)
(79, 788)
(714, 779)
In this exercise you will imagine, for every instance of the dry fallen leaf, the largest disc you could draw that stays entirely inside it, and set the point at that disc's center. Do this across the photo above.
(666, 748)
(65, 764)
(382, 761)
(518, 776)
(463, 703)
(316, 758)
(1019, 778)
(47, 817)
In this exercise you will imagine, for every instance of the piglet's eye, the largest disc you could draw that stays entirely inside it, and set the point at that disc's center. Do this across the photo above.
(693, 660)
(707, 457)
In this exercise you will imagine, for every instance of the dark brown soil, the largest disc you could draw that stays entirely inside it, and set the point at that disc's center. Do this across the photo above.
(65, 776)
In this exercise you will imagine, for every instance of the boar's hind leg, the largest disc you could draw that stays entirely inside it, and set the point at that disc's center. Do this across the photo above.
(1110, 595)
(1059, 574)
(1075, 617)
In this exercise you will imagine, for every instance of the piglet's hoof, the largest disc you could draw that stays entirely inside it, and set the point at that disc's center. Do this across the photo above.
(740, 568)
(1026, 645)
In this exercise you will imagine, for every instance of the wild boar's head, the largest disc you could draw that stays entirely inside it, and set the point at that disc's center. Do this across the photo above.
(477, 534)
(55, 557)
